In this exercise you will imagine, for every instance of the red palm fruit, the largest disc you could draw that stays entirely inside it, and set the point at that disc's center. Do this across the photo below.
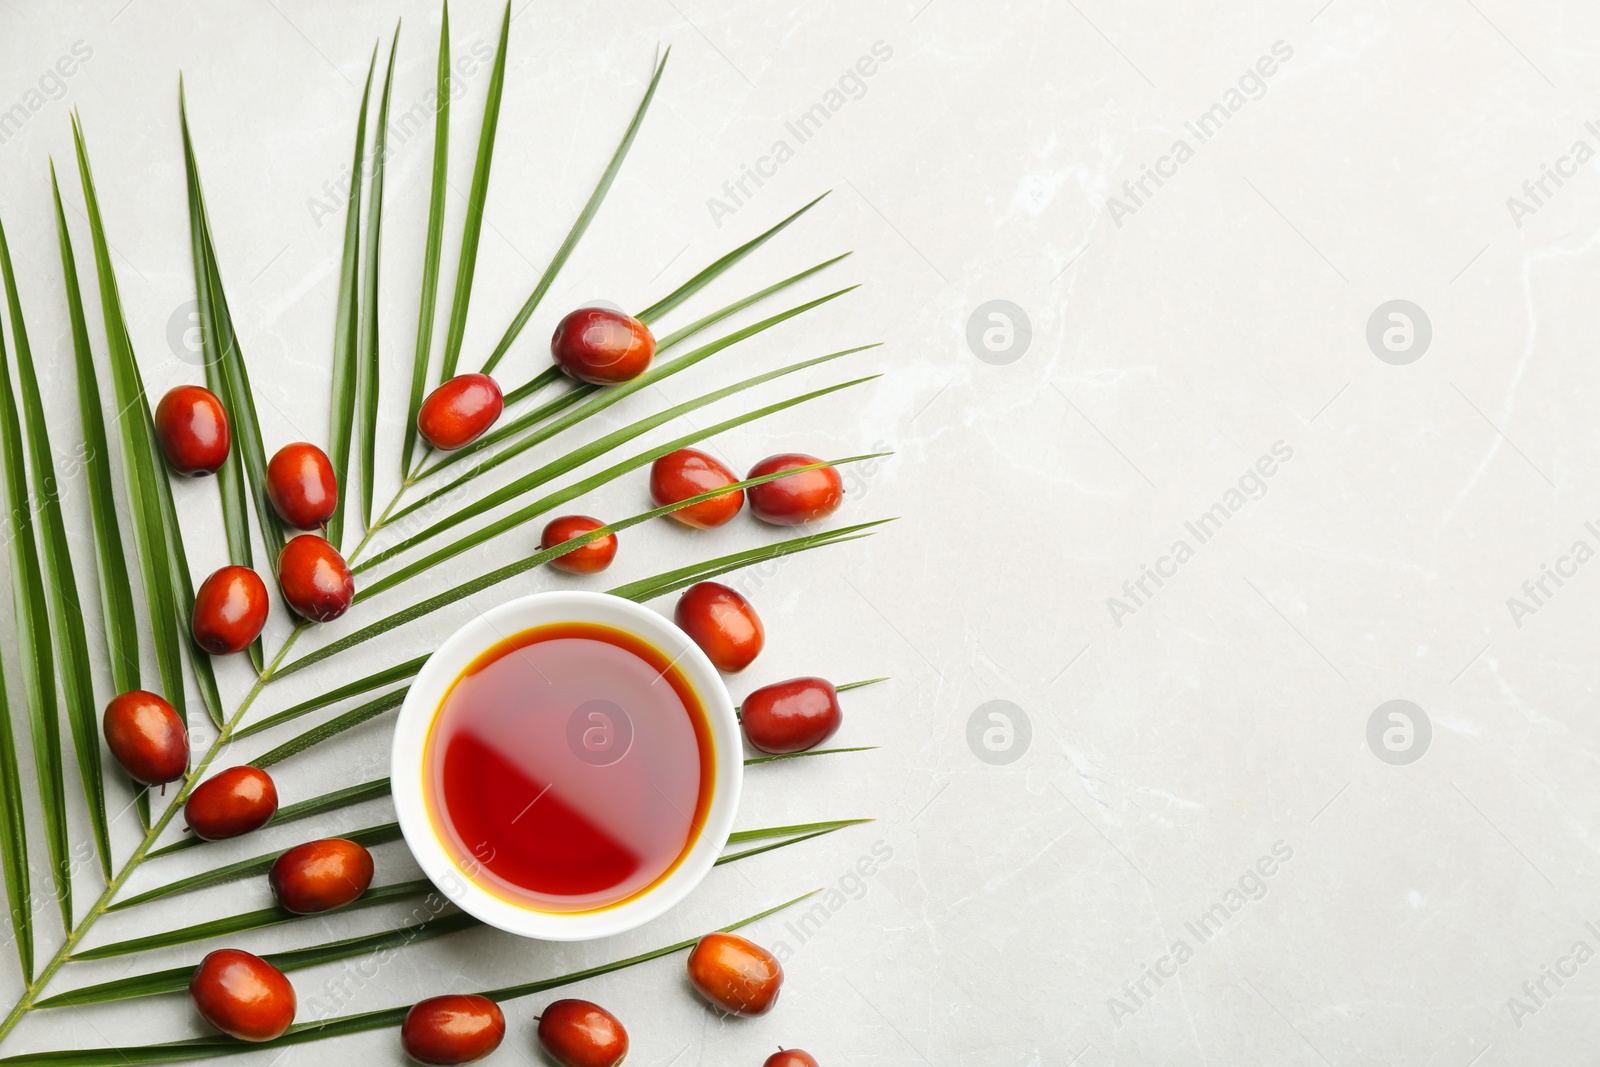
(238, 800)
(790, 1057)
(576, 1033)
(591, 558)
(736, 975)
(722, 623)
(799, 498)
(455, 1028)
(315, 579)
(229, 610)
(301, 485)
(689, 472)
(602, 347)
(459, 411)
(320, 875)
(242, 995)
(791, 716)
(192, 429)
(147, 737)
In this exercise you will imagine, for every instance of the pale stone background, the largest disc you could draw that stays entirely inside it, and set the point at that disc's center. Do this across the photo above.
(1171, 748)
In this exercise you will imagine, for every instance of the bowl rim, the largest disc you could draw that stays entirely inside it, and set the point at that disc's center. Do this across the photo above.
(477, 636)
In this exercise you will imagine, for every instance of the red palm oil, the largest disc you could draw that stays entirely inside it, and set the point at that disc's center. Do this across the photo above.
(569, 768)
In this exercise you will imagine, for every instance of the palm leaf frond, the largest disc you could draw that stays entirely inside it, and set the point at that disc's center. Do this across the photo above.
(398, 673)
(585, 217)
(593, 450)
(247, 868)
(120, 631)
(138, 449)
(472, 228)
(339, 798)
(347, 324)
(646, 588)
(435, 246)
(230, 478)
(32, 613)
(605, 398)
(66, 612)
(367, 374)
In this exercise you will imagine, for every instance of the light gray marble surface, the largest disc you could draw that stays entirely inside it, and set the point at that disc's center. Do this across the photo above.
(1171, 747)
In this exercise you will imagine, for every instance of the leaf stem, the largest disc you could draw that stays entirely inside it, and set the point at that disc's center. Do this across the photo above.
(30, 994)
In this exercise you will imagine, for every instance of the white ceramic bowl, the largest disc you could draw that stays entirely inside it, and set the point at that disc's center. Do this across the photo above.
(479, 636)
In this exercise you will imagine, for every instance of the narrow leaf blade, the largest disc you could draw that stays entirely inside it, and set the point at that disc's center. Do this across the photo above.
(367, 378)
(248, 868)
(585, 217)
(32, 614)
(472, 228)
(435, 246)
(346, 326)
(66, 612)
(120, 631)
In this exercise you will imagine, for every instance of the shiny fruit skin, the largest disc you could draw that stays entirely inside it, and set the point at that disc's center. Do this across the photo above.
(689, 472)
(238, 800)
(602, 347)
(723, 624)
(592, 558)
(576, 1033)
(459, 411)
(320, 875)
(315, 579)
(301, 485)
(799, 498)
(455, 1028)
(192, 429)
(736, 975)
(147, 736)
(229, 610)
(791, 1057)
(791, 716)
(242, 995)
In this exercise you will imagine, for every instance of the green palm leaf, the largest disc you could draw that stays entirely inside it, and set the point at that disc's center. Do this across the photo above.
(32, 615)
(339, 798)
(14, 839)
(718, 268)
(435, 246)
(577, 393)
(49, 595)
(71, 647)
(176, 979)
(336, 725)
(605, 398)
(120, 631)
(593, 450)
(232, 872)
(472, 228)
(222, 354)
(683, 577)
(214, 336)
(346, 325)
(397, 673)
(138, 449)
(386, 894)
(585, 217)
(757, 760)
(207, 1047)
(367, 383)
(510, 570)
(250, 920)
(183, 591)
